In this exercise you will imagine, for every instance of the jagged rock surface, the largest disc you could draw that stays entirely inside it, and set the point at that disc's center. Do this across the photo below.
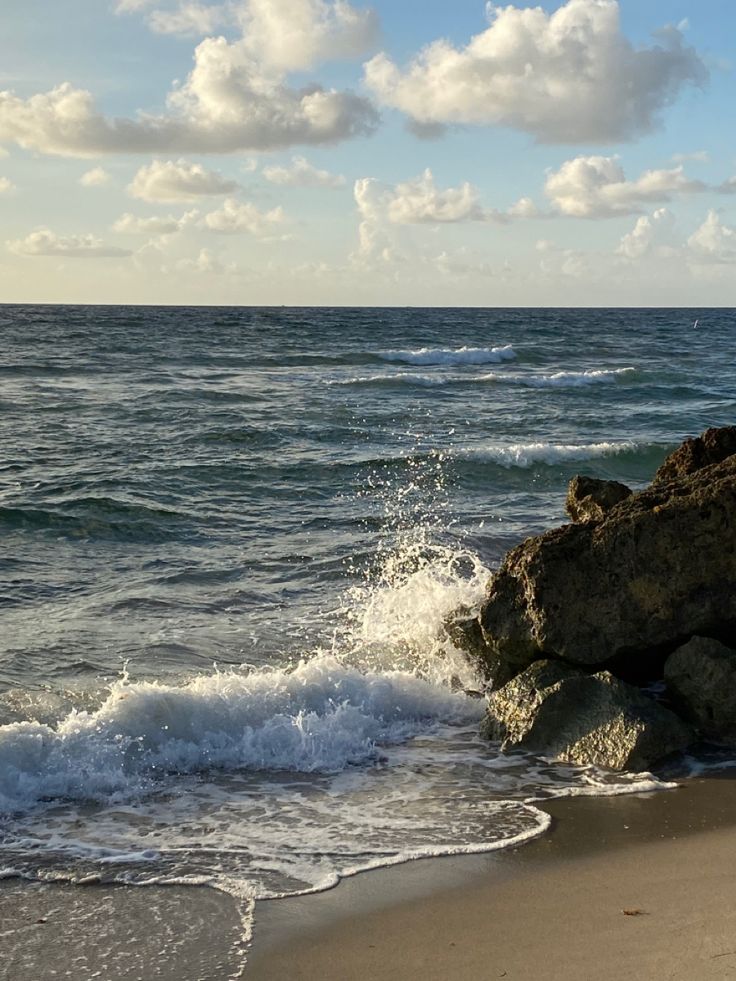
(589, 499)
(624, 592)
(558, 711)
(714, 446)
(701, 679)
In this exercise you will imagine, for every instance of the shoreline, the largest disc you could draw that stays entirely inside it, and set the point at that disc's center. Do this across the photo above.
(551, 908)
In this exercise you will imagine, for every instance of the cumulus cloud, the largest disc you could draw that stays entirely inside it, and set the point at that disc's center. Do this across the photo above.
(728, 187)
(419, 201)
(44, 242)
(301, 173)
(97, 177)
(294, 35)
(596, 187)
(713, 241)
(236, 217)
(651, 234)
(566, 77)
(169, 180)
(235, 98)
(128, 224)
(6, 185)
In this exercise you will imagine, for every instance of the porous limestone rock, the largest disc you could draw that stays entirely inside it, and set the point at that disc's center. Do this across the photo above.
(558, 711)
(714, 446)
(701, 680)
(589, 499)
(623, 592)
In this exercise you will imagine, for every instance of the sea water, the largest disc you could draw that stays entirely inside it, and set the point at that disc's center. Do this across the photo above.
(230, 540)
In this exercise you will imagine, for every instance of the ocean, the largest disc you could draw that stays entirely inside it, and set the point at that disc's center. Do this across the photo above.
(230, 539)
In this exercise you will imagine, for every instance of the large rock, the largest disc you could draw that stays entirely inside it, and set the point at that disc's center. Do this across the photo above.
(557, 711)
(714, 446)
(701, 680)
(626, 591)
(589, 499)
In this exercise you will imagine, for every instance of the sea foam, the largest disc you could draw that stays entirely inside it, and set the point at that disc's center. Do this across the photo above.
(451, 356)
(527, 454)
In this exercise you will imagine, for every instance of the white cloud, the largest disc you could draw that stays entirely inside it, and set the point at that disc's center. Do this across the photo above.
(44, 242)
(294, 35)
(128, 224)
(524, 208)
(97, 177)
(302, 174)
(288, 35)
(189, 19)
(566, 77)
(697, 156)
(596, 187)
(205, 264)
(235, 98)
(418, 202)
(713, 241)
(236, 217)
(556, 262)
(728, 187)
(169, 180)
(132, 6)
(6, 185)
(651, 234)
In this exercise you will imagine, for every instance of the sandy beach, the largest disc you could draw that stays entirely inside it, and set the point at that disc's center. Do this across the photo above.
(629, 887)
(554, 908)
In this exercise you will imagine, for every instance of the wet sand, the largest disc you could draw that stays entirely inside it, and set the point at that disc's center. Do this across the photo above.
(634, 887)
(551, 909)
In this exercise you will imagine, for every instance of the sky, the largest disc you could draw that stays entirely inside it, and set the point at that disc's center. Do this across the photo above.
(400, 152)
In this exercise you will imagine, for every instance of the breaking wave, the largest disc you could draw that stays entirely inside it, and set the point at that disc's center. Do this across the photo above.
(451, 356)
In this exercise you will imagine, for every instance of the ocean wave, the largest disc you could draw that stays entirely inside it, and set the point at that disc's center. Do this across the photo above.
(527, 454)
(401, 378)
(565, 379)
(557, 379)
(320, 717)
(94, 517)
(451, 356)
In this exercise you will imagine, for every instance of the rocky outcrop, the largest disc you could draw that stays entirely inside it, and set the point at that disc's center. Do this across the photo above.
(714, 446)
(559, 711)
(589, 499)
(624, 592)
(701, 681)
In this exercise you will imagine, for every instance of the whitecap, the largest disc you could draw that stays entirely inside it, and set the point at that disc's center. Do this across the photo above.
(451, 356)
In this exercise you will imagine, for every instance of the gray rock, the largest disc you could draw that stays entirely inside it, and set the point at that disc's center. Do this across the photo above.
(589, 499)
(701, 679)
(625, 591)
(558, 711)
(714, 446)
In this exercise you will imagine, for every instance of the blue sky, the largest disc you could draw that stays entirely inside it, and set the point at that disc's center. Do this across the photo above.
(321, 151)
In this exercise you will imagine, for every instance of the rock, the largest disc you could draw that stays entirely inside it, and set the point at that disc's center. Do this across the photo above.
(714, 446)
(464, 630)
(589, 499)
(558, 711)
(623, 592)
(701, 680)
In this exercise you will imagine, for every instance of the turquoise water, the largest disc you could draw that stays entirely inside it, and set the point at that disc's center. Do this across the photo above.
(230, 537)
